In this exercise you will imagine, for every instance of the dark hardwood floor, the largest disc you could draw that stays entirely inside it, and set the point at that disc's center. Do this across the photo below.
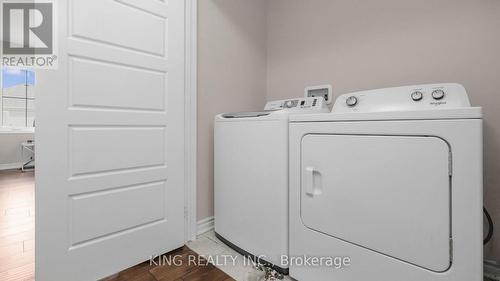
(17, 226)
(184, 271)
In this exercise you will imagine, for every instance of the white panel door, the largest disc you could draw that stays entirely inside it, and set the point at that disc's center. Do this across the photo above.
(387, 194)
(110, 139)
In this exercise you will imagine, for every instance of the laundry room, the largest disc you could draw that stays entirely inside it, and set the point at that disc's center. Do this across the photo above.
(251, 140)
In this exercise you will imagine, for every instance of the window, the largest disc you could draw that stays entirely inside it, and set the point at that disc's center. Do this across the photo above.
(18, 98)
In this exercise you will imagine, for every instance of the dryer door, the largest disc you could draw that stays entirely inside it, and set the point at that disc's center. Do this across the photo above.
(387, 194)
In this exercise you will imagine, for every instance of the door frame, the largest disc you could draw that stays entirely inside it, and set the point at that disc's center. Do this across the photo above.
(190, 115)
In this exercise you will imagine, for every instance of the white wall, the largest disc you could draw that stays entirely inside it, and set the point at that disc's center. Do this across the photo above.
(358, 45)
(231, 74)
(353, 45)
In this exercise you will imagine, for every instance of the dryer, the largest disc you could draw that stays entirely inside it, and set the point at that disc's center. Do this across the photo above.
(251, 178)
(389, 185)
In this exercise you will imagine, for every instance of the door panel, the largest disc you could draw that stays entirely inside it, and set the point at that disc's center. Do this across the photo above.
(112, 85)
(96, 149)
(126, 26)
(110, 139)
(102, 213)
(388, 194)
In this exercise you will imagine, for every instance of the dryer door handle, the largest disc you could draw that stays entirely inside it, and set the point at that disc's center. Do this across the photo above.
(312, 181)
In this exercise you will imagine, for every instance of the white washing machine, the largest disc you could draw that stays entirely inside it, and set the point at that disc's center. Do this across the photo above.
(389, 186)
(251, 178)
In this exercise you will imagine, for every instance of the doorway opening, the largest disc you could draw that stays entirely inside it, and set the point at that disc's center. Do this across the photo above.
(17, 181)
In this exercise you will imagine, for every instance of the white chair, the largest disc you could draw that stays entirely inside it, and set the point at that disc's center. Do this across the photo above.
(28, 146)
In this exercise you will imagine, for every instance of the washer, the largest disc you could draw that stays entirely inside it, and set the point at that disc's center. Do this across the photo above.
(251, 178)
(390, 185)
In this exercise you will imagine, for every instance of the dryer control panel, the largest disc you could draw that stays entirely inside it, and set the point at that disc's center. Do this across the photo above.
(417, 97)
(299, 105)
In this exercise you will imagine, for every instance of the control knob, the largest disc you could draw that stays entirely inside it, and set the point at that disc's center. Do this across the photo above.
(351, 101)
(289, 104)
(417, 95)
(438, 94)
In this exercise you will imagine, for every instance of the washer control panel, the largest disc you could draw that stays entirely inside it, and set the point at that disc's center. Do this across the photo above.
(299, 105)
(429, 96)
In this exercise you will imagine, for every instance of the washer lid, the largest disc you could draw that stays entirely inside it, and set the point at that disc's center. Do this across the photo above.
(249, 114)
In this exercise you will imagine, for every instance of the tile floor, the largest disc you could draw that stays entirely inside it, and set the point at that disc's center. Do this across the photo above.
(208, 245)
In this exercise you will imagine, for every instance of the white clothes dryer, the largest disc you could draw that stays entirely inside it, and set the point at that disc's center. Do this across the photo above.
(389, 184)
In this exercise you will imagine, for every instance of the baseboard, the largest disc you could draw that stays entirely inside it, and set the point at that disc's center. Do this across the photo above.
(491, 271)
(205, 225)
(10, 166)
